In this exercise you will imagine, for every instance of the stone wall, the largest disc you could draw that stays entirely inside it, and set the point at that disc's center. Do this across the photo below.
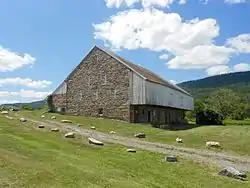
(156, 114)
(59, 100)
(99, 84)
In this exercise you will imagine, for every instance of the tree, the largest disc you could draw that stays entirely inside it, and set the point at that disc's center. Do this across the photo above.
(227, 103)
(50, 103)
(26, 107)
(199, 105)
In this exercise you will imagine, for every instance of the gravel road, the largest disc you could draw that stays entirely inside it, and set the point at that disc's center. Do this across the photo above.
(197, 155)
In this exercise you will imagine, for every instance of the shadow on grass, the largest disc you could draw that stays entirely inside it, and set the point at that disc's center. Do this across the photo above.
(182, 127)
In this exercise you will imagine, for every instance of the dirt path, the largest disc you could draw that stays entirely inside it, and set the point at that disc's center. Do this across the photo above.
(197, 155)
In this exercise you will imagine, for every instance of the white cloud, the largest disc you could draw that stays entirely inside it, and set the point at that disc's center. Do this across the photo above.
(229, 1)
(10, 61)
(24, 94)
(241, 67)
(241, 43)
(173, 81)
(25, 82)
(8, 101)
(235, 1)
(144, 3)
(223, 69)
(164, 56)
(217, 70)
(191, 41)
(201, 57)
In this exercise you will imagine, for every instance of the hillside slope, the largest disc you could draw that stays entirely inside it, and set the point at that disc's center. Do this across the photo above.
(238, 82)
(34, 105)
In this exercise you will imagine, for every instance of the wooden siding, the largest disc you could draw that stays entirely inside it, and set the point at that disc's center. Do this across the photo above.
(138, 89)
(157, 94)
(62, 89)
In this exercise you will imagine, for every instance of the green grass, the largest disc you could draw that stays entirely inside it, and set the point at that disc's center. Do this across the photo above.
(237, 122)
(233, 138)
(38, 158)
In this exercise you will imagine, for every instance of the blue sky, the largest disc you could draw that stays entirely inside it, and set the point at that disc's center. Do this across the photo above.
(42, 41)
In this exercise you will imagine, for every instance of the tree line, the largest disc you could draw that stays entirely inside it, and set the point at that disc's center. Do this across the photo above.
(224, 101)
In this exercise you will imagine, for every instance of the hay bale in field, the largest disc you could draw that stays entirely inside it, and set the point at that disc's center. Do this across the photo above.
(213, 144)
(53, 117)
(140, 135)
(233, 173)
(171, 159)
(40, 126)
(8, 117)
(55, 130)
(93, 128)
(66, 121)
(131, 150)
(95, 142)
(4, 112)
(70, 135)
(179, 140)
(23, 120)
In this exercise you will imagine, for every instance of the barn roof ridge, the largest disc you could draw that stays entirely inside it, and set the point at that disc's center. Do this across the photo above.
(143, 72)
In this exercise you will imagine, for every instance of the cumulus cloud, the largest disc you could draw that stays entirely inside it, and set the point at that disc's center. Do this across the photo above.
(217, 70)
(236, 1)
(164, 56)
(201, 56)
(241, 43)
(8, 101)
(223, 69)
(241, 67)
(173, 81)
(190, 41)
(10, 61)
(25, 82)
(144, 3)
(229, 1)
(24, 94)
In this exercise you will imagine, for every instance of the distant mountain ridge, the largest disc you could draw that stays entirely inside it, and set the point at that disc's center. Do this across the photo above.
(238, 82)
(34, 105)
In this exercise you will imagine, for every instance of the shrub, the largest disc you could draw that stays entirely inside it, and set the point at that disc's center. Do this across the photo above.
(50, 103)
(209, 117)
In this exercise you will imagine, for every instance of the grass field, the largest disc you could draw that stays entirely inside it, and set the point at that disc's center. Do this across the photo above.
(38, 158)
(233, 138)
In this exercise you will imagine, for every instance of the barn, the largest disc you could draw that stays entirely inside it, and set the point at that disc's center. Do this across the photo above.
(105, 84)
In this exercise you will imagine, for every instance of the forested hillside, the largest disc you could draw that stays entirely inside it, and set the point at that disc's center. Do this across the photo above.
(34, 105)
(239, 82)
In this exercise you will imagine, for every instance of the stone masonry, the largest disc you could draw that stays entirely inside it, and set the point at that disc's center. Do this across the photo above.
(100, 85)
(60, 100)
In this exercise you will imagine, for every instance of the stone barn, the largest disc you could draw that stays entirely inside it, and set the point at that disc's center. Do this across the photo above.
(104, 84)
